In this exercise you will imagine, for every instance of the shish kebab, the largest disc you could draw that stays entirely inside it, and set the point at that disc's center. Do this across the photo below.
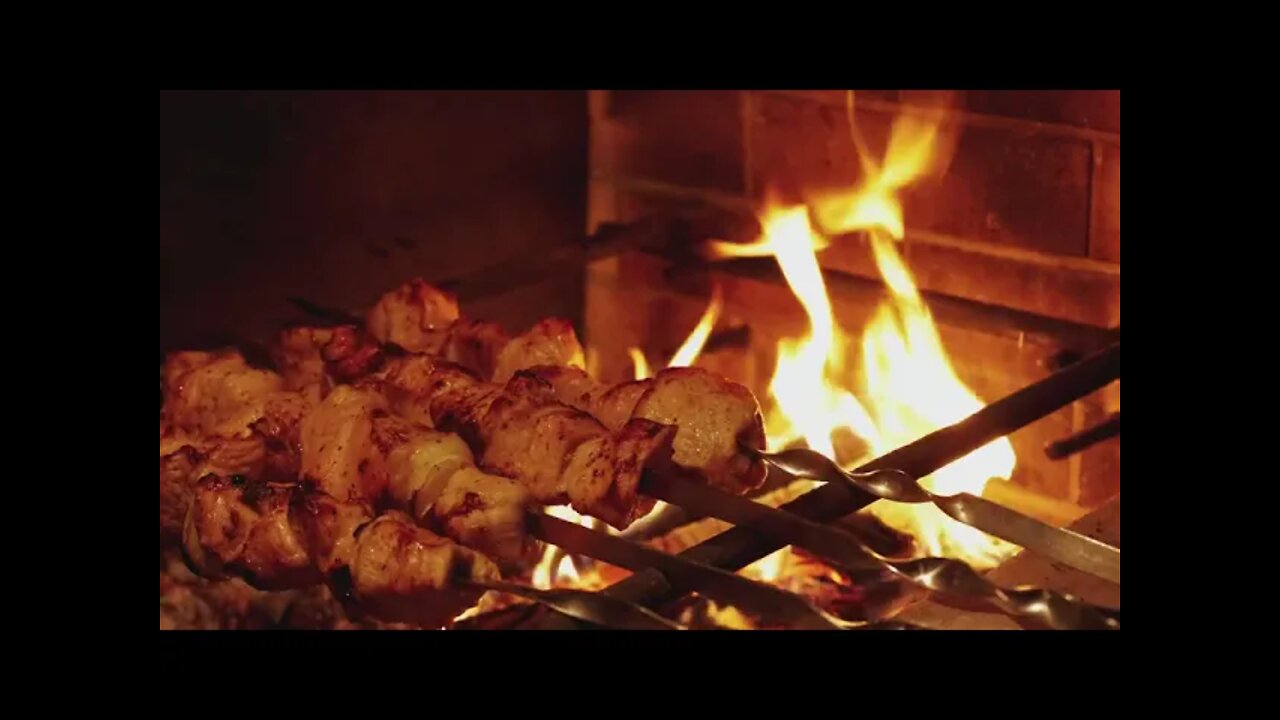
(282, 535)
(234, 423)
(709, 414)
(582, 460)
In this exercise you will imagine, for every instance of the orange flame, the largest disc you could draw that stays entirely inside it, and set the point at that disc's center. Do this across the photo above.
(692, 346)
(564, 573)
(639, 364)
(906, 377)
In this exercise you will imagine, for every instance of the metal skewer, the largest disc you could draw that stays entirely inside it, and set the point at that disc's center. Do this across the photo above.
(1060, 544)
(720, 585)
(739, 547)
(588, 607)
(941, 575)
(1084, 439)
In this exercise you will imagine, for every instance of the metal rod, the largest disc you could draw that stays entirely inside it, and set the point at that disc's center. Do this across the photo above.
(739, 547)
(1084, 439)
(764, 600)
(1055, 543)
(939, 575)
(609, 239)
(845, 288)
(589, 607)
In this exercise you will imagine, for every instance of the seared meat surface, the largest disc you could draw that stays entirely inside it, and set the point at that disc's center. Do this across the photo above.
(712, 416)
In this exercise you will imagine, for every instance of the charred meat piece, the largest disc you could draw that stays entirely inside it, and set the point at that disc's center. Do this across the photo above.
(285, 536)
(712, 416)
(215, 394)
(550, 342)
(315, 359)
(414, 316)
(298, 354)
(423, 319)
(560, 454)
(222, 417)
(354, 449)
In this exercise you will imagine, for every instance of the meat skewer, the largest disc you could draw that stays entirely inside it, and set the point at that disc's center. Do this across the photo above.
(289, 535)
(349, 446)
(560, 454)
(713, 417)
(354, 449)
(423, 319)
(238, 514)
(416, 318)
(279, 536)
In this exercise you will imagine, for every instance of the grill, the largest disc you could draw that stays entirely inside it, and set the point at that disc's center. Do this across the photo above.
(658, 248)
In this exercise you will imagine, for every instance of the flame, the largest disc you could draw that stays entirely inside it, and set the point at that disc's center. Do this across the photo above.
(906, 378)
(692, 346)
(639, 364)
(724, 616)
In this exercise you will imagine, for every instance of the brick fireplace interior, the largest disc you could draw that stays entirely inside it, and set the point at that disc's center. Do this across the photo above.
(1022, 227)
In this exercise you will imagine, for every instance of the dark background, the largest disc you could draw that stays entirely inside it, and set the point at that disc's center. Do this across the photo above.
(337, 197)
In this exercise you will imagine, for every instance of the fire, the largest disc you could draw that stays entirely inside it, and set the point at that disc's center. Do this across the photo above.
(692, 346)
(564, 574)
(639, 363)
(905, 380)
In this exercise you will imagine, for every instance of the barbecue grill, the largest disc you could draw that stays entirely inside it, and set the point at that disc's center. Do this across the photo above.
(1066, 578)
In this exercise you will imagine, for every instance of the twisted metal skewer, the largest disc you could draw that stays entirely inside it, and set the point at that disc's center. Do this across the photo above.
(1059, 544)
(593, 608)
(944, 576)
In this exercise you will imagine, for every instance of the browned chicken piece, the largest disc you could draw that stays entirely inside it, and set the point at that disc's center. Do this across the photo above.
(712, 416)
(415, 316)
(550, 342)
(337, 445)
(180, 469)
(559, 453)
(297, 354)
(198, 434)
(434, 476)
(475, 345)
(423, 319)
(351, 354)
(354, 449)
(215, 394)
(280, 429)
(285, 536)
(315, 359)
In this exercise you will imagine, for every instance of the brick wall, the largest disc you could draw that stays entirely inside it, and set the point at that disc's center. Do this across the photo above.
(1026, 216)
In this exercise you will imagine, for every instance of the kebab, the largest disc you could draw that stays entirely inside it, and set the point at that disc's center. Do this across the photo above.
(601, 481)
(416, 318)
(714, 418)
(233, 516)
(284, 536)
